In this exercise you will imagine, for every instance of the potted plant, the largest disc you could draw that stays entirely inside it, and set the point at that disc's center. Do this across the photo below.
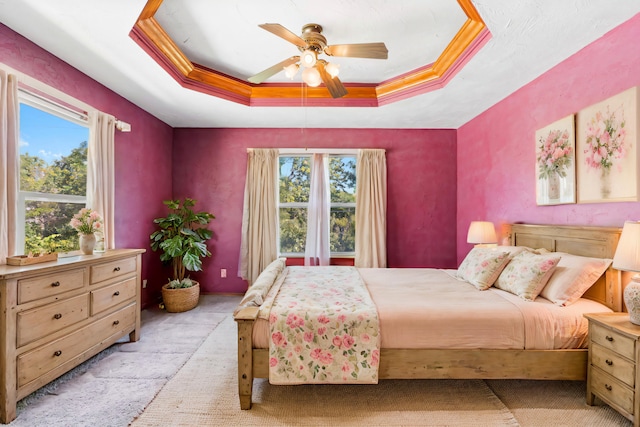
(182, 237)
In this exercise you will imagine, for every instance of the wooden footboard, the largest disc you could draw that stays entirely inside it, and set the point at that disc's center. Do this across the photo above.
(440, 364)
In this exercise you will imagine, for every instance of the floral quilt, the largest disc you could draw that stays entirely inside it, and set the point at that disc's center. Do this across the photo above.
(323, 328)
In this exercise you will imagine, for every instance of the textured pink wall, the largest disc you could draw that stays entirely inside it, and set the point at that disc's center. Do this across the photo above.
(143, 156)
(210, 166)
(496, 150)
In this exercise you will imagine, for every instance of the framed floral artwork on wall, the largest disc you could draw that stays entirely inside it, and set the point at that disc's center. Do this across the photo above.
(607, 150)
(555, 163)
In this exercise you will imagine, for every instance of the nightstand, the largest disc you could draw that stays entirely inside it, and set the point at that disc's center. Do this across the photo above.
(614, 351)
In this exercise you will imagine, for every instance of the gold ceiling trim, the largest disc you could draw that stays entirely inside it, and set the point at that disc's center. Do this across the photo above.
(150, 35)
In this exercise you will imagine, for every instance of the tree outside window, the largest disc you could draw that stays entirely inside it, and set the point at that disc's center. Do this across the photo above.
(294, 189)
(53, 179)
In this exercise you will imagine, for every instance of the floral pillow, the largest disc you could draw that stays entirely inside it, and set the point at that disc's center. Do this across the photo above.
(527, 274)
(482, 266)
(514, 250)
(573, 276)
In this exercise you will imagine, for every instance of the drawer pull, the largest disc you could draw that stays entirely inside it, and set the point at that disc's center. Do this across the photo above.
(57, 316)
(116, 322)
(57, 353)
(116, 269)
(116, 293)
(55, 284)
(609, 338)
(609, 362)
(608, 387)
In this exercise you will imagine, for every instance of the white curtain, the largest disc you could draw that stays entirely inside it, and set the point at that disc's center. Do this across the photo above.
(101, 171)
(259, 244)
(9, 163)
(317, 245)
(371, 209)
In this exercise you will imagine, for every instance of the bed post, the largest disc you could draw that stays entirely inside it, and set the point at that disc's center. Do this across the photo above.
(245, 318)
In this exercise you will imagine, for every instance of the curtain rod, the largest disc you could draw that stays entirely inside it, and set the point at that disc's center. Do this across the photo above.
(76, 108)
(317, 150)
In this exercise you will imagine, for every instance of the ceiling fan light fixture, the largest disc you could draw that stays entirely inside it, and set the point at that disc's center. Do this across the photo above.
(333, 69)
(291, 70)
(311, 77)
(308, 58)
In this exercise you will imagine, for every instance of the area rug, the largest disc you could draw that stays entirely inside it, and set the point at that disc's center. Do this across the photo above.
(204, 393)
(554, 403)
(115, 386)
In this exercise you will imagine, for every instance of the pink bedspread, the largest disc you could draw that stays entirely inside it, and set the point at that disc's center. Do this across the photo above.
(428, 308)
(323, 329)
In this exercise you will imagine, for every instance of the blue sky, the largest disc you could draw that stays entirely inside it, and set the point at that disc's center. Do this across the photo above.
(48, 136)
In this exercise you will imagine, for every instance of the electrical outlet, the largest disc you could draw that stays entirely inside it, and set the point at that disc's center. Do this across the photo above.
(144, 283)
(223, 272)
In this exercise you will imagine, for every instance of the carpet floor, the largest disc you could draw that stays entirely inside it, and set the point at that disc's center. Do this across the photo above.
(183, 372)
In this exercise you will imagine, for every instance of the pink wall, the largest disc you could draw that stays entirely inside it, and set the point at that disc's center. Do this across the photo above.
(496, 154)
(210, 166)
(143, 156)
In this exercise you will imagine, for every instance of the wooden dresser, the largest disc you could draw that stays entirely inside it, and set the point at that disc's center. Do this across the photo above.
(56, 315)
(614, 351)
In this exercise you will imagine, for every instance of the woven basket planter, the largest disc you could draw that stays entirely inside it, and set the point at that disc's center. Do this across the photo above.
(181, 299)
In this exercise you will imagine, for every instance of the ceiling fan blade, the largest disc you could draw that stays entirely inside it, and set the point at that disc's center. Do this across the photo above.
(265, 74)
(333, 84)
(281, 31)
(362, 50)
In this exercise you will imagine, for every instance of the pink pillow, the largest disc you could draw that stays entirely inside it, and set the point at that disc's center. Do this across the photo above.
(573, 276)
(527, 274)
(482, 266)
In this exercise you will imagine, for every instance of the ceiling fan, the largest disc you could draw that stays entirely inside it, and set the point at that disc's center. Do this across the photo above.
(311, 43)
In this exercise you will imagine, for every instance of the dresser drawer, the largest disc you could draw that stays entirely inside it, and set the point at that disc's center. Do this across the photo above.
(110, 270)
(613, 364)
(613, 341)
(42, 321)
(112, 295)
(611, 390)
(35, 363)
(46, 286)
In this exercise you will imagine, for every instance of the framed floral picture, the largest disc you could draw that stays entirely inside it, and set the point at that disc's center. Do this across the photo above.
(555, 163)
(607, 150)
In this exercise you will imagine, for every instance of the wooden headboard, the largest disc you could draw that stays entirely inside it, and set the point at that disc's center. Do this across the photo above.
(596, 242)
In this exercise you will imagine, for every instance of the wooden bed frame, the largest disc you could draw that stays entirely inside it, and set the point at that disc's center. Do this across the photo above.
(597, 242)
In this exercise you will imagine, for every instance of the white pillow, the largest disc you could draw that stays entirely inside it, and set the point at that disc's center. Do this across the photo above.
(527, 274)
(482, 266)
(573, 276)
(254, 297)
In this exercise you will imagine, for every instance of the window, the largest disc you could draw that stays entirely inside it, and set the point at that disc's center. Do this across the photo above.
(53, 175)
(294, 189)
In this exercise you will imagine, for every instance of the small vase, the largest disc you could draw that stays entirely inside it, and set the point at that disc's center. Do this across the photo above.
(553, 184)
(605, 183)
(87, 243)
(632, 301)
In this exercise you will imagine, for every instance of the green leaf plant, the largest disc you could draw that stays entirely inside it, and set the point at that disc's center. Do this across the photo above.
(182, 237)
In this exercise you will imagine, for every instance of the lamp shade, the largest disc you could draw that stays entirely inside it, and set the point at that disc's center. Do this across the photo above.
(311, 76)
(627, 255)
(291, 70)
(308, 58)
(333, 69)
(481, 232)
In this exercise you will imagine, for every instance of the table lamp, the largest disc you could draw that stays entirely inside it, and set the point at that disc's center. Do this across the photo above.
(627, 258)
(482, 233)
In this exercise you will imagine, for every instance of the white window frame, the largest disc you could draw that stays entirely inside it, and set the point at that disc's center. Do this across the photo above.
(304, 152)
(51, 107)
